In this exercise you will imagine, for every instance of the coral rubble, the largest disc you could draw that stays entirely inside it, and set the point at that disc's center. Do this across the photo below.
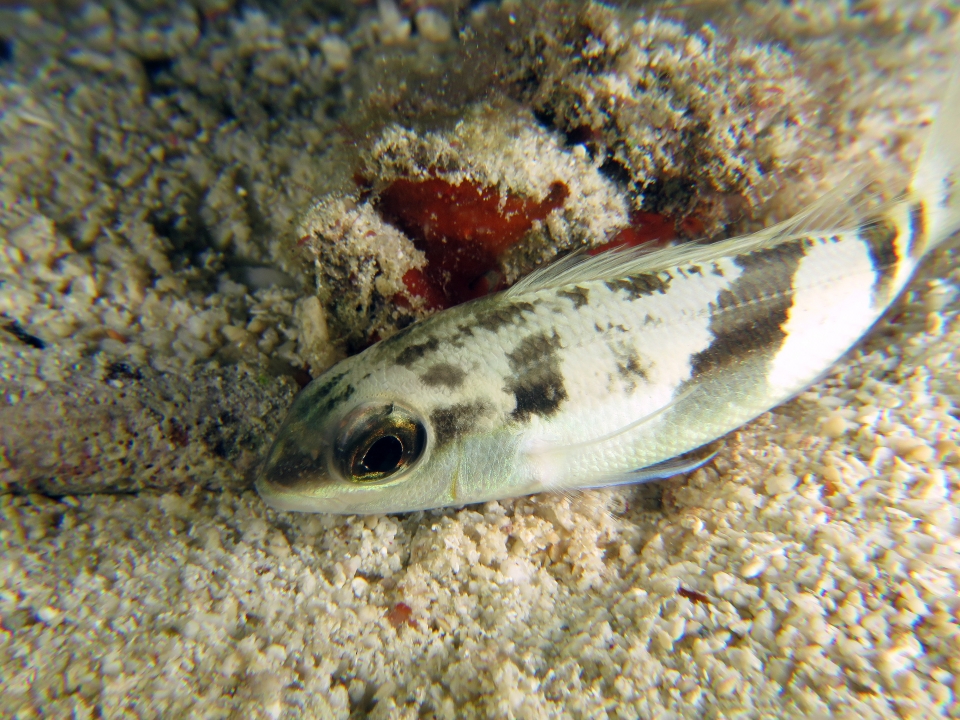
(204, 203)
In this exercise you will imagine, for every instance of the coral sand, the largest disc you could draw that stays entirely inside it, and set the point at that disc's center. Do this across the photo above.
(204, 204)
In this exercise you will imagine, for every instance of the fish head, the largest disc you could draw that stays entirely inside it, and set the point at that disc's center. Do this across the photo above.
(345, 447)
(366, 437)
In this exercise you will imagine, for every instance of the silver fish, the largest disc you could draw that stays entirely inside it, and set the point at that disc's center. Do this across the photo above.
(606, 370)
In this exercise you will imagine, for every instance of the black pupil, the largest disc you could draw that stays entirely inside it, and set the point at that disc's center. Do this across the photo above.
(384, 455)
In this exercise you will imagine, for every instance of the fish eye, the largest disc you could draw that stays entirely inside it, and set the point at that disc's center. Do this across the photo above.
(377, 442)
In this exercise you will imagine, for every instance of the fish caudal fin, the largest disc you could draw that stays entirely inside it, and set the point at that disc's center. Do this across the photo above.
(936, 182)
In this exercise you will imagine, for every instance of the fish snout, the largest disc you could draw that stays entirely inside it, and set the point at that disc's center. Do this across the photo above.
(291, 476)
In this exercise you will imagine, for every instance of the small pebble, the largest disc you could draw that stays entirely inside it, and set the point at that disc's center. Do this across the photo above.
(834, 426)
(433, 25)
(920, 453)
(256, 326)
(937, 296)
(831, 474)
(49, 616)
(753, 568)
(394, 27)
(727, 686)
(935, 323)
(336, 52)
(910, 448)
(236, 334)
(722, 582)
(948, 451)
(784, 482)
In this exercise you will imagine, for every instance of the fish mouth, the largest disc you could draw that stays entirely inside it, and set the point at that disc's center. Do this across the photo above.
(279, 497)
(292, 469)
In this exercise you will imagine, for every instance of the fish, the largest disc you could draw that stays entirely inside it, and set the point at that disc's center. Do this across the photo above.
(622, 367)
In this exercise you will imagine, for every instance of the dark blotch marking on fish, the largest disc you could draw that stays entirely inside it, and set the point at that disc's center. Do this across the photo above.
(390, 344)
(453, 422)
(537, 383)
(880, 236)
(319, 393)
(384, 346)
(397, 336)
(410, 354)
(695, 269)
(629, 367)
(812, 242)
(443, 375)
(579, 296)
(292, 468)
(638, 286)
(918, 229)
(336, 398)
(619, 327)
(716, 270)
(458, 339)
(499, 316)
(328, 395)
(748, 317)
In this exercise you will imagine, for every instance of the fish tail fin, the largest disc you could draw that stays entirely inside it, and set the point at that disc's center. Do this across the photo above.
(936, 183)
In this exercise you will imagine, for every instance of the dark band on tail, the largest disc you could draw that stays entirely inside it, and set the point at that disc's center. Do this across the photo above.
(880, 237)
(918, 230)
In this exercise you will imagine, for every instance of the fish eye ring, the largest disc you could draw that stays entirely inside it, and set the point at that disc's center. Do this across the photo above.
(377, 441)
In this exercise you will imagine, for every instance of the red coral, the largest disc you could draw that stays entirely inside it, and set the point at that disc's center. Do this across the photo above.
(462, 229)
(645, 227)
(419, 285)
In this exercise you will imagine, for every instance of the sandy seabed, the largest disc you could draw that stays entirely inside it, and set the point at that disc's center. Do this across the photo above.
(155, 319)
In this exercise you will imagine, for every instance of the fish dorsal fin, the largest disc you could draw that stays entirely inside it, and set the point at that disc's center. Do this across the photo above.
(841, 209)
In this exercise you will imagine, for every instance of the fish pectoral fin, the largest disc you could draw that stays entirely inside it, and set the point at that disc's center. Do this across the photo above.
(688, 462)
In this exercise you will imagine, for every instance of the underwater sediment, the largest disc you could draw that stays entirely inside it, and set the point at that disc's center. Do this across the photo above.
(203, 204)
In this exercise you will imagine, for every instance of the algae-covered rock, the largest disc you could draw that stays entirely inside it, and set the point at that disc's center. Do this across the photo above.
(127, 428)
(643, 128)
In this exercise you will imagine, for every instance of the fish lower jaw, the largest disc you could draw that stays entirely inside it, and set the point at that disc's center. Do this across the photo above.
(295, 502)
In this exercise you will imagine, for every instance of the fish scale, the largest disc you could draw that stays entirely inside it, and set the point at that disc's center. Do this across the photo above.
(608, 369)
